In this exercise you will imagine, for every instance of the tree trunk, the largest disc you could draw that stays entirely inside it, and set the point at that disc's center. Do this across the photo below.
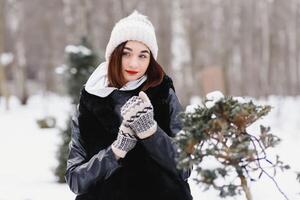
(3, 83)
(20, 69)
(245, 187)
(21, 75)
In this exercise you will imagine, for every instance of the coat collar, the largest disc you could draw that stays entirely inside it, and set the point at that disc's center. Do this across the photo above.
(97, 83)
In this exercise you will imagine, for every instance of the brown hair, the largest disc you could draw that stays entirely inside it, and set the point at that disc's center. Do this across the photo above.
(154, 72)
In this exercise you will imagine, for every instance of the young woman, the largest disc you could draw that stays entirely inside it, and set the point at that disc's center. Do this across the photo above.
(121, 146)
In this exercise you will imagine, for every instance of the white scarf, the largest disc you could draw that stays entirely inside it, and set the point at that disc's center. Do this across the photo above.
(97, 84)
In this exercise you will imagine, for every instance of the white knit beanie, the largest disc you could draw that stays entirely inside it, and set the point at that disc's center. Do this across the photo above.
(134, 27)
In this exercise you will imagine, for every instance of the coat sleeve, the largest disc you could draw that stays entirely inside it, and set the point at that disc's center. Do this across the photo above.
(82, 173)
(161, 146)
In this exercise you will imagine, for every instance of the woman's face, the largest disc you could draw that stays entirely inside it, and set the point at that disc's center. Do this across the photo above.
(135, 60)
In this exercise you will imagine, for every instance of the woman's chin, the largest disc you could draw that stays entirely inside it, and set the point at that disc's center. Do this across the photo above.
(131, 78)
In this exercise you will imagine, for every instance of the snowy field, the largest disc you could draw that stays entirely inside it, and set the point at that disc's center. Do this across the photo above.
(28, 153)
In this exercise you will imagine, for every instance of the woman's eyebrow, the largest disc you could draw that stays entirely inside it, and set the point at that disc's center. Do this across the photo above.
(143, 51)
(127, 48)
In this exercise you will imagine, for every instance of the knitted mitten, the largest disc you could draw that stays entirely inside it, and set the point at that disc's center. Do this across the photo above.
(124, 142)
(138, 114)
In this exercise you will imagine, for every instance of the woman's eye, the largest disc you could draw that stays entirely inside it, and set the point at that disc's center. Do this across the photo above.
(125, 54)
(143, 56)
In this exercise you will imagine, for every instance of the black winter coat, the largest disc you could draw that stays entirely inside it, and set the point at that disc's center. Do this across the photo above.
(148, 172)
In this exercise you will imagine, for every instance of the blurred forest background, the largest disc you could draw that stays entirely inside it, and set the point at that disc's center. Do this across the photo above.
(241, 47)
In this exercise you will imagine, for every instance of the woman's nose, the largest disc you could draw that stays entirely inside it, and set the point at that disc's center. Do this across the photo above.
(133, 62)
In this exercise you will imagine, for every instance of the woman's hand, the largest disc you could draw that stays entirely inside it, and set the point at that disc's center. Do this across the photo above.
(125, 141)
(138, 114)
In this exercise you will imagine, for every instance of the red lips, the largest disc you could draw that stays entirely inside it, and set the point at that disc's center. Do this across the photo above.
(131, 71)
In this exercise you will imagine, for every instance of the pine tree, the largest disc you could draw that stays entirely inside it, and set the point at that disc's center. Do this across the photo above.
(81, 63)
(219, 132)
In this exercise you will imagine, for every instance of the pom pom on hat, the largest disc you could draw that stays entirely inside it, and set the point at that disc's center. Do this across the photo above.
(133, 27)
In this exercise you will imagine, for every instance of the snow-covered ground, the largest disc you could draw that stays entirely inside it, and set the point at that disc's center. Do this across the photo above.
(27, 153)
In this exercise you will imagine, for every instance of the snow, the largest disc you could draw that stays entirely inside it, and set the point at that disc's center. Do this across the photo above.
(28, 153)
(78, 49)
(212, 98)
(61, 69)
(215, 96)
(6, 58)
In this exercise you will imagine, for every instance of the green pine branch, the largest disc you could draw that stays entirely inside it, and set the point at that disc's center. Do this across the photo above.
(219, 132)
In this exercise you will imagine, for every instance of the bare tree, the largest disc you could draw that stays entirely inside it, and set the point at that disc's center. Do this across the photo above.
(16, 19)
(255, 43)
(3, 81)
